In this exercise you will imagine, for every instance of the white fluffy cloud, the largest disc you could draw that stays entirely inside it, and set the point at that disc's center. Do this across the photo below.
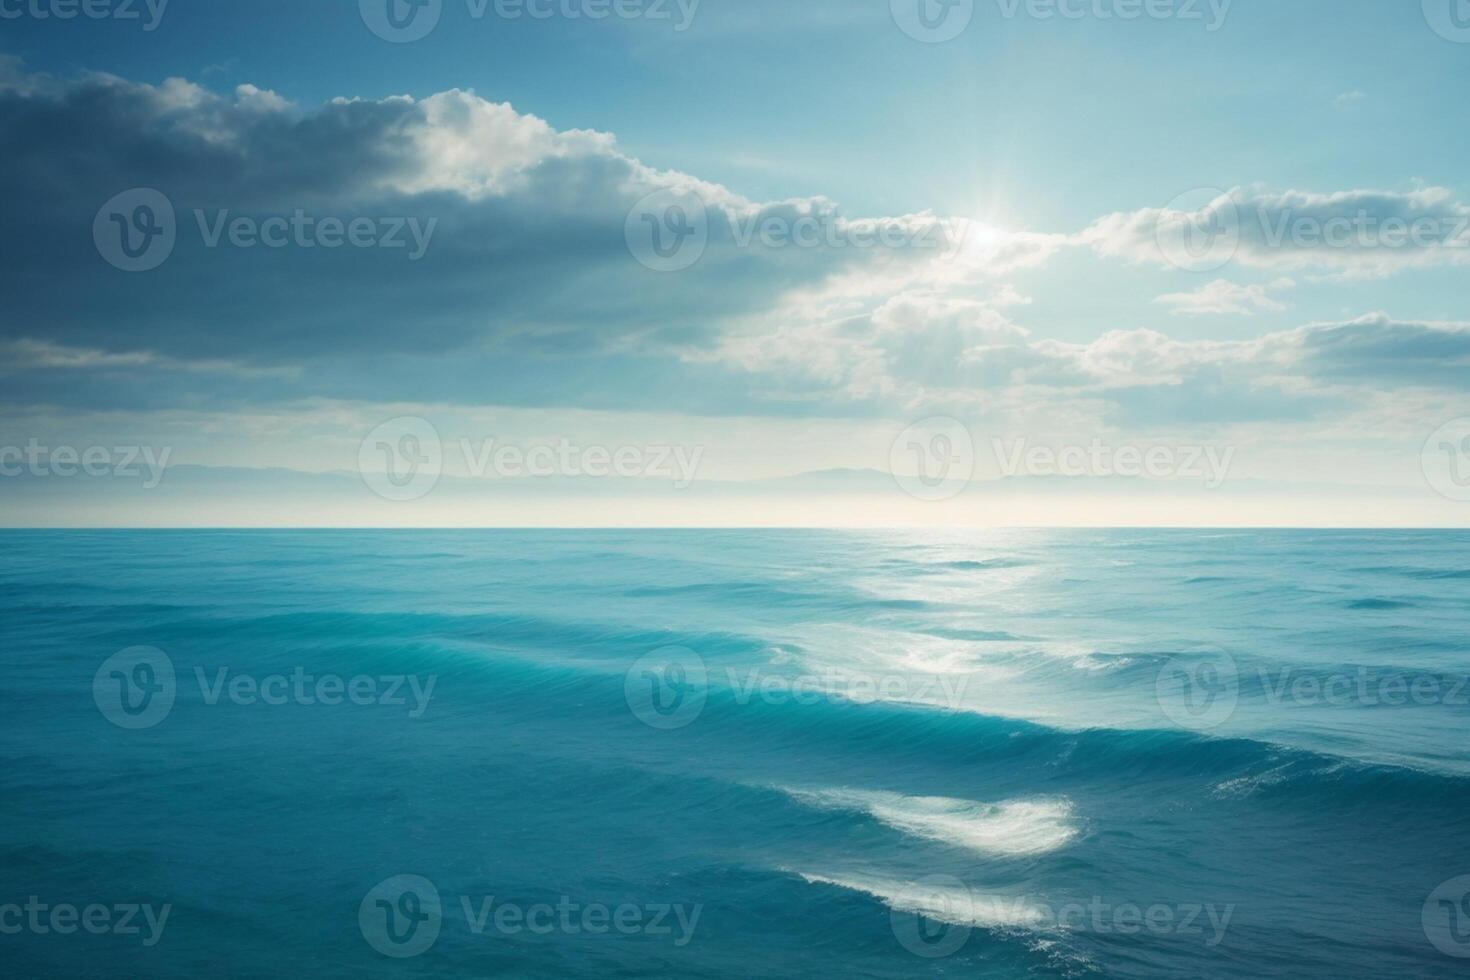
(1348, 233)
(530, 295)
(1225, 297)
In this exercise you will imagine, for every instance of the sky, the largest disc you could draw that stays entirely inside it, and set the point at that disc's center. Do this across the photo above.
(734, 262)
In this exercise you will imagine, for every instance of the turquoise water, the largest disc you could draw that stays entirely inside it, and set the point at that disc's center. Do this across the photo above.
(736, 754)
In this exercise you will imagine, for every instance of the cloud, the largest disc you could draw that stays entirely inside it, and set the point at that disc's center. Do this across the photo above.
(1378, 350)
(528, 289)
(922, 353)
(1370, 348)
(529, 294)
(1224, 297)
(1008, 295)
(1360, 233)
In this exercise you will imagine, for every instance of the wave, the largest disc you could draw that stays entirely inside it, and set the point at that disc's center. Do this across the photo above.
(970, 635)
(1424, 574)
(954, 903)
(1003, 746)
(970, 565)
(1378, 604)
(1016, 828)
(914, 732)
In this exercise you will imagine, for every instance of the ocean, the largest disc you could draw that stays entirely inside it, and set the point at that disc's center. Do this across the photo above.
(732, 754)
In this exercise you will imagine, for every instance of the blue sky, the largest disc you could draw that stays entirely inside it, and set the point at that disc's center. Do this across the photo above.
(828, 98)
(1044, 152)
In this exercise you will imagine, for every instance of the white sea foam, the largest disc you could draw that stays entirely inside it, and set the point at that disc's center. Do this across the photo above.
(1015, 828)
(950, 903)
(865, 665)
(868, 650)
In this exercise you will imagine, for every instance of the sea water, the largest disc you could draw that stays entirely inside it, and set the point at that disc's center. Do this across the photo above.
(735, 754)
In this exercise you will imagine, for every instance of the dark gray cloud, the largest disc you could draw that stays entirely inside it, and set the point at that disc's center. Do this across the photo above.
(525, 228)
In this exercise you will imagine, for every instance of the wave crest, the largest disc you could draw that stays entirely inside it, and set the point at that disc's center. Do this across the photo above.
(1014, 828)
